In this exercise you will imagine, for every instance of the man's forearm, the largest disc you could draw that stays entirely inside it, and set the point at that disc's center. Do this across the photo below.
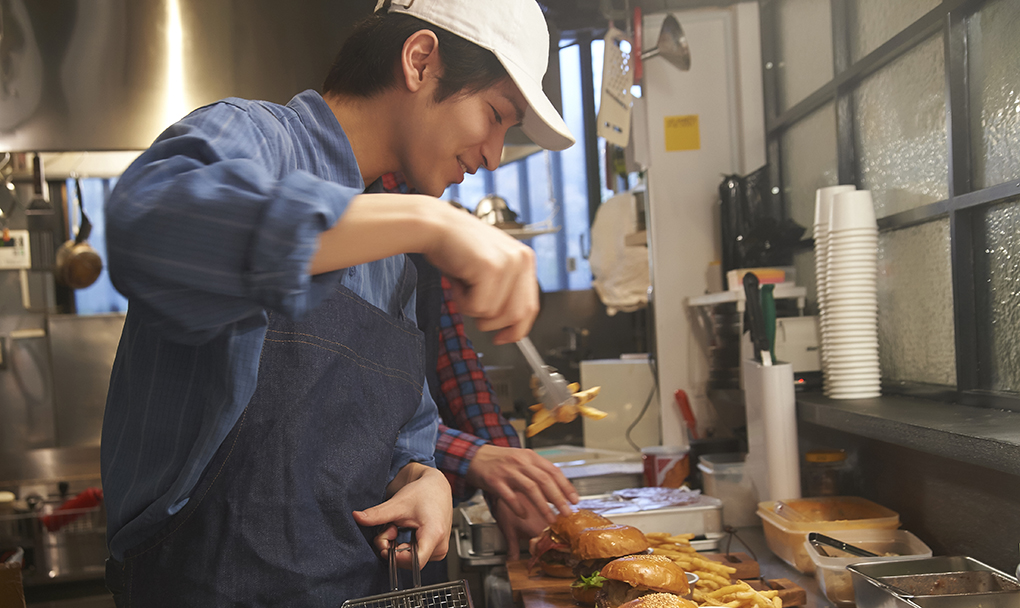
(377, 226)
(411, 472)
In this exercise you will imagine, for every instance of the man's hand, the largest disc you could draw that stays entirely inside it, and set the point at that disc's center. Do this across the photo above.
(493, 274)
(420, 498)
(515, 528)
(519, 477)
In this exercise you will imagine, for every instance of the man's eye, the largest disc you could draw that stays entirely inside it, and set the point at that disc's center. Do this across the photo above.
(499, 118)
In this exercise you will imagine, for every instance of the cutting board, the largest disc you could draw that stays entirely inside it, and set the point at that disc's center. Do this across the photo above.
(541, 591)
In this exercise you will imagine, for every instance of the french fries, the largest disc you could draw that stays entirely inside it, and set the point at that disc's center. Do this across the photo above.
(543, 418)
(739, 595)
(714, 587)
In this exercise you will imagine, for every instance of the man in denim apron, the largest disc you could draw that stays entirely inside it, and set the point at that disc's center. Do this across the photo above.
(268, 424)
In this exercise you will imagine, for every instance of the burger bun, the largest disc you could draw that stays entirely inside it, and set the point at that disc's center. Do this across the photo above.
(659, 600)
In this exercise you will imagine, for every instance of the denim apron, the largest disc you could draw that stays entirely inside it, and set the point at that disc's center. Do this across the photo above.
(270, 521)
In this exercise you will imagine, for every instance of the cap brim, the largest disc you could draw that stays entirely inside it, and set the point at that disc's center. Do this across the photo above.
(542, 123)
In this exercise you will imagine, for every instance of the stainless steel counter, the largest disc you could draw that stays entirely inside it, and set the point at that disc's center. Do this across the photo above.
(49, 465)
(773, 567)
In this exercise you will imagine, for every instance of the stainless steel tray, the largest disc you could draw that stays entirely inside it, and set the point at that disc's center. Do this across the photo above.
(478, 525)
(935, 582)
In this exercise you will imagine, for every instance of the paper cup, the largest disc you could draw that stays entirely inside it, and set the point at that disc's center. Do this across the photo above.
(665, 466)
(823, 202)
(852, 210)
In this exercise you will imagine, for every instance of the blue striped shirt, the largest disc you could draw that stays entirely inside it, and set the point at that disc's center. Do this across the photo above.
(213, 226)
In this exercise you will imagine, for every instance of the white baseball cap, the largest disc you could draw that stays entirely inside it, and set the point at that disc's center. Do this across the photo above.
(516, 33)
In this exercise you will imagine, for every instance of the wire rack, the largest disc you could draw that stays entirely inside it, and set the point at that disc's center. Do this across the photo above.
(442, 595)
(22, 528)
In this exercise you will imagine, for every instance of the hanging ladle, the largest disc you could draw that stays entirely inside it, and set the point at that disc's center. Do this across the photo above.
(820, 541)
(78, 264)
(672, 45)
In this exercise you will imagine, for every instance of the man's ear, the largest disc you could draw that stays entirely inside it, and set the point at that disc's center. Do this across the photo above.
(419, 59)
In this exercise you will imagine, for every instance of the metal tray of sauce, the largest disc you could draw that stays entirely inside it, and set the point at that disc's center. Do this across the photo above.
(936, 582)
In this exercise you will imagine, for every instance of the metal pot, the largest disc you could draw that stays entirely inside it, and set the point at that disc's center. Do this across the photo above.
(78, 264)
(493, 210)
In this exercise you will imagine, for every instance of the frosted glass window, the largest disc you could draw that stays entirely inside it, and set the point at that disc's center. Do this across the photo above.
(803, 49)
(873, 22)
(915, 305)
(998, 314)
(995, 92)
(901, 131)
(808, 150)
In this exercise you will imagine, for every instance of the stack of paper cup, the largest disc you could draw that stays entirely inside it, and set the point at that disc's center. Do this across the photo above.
(850, 350)
(823, 208)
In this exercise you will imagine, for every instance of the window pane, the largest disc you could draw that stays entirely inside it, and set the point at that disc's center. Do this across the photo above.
(808, 151)
(873, 22)
(901, 131)
(547, 261)
(574, 176)
(508, 185)
(915, 305)
(998, 314)
(995, 92)
(803, 49)
(100, 297)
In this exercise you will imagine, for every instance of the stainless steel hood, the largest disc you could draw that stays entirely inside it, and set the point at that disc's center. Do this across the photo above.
(100, 75)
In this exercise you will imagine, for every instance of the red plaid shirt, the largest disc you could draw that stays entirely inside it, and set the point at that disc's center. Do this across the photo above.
(467, 403)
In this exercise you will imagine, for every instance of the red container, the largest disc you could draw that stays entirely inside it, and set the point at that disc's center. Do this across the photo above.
(665, 466)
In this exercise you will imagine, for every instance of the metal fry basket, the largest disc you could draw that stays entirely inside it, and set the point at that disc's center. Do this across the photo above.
(442, 595)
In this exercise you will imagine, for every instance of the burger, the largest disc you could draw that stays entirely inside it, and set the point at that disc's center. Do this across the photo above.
(586, 588)
(629, 578)
(593, 548)
(660, 600)
(551, 551)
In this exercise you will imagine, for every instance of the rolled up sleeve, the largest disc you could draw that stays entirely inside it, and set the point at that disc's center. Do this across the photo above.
(416, 441)
(204, 230)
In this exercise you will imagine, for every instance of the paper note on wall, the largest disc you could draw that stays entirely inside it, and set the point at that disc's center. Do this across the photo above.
(682, 133)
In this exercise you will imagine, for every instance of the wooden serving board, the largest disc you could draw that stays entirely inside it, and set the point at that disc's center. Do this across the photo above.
(791, 593)
(744, 563)
(541, 591)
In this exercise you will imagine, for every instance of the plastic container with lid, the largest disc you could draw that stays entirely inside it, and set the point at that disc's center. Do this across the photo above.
(824, 473)
(891, 545)
(787, 522)
(724, 477)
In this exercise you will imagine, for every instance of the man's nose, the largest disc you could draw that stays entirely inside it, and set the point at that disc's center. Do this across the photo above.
(492, 150)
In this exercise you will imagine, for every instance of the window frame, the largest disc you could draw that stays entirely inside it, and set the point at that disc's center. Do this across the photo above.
(964, 204)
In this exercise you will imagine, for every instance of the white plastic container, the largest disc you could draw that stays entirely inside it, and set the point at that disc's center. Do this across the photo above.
(724, 478)
(835, 580)
(787, 523)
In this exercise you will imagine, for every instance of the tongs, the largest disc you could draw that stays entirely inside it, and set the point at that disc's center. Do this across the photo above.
(820, 541)
(555, 392)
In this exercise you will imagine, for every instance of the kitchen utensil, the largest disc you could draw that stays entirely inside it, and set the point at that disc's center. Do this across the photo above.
(494, 211)
(555, 388)
(756, 320)
(768, 308)
(42, 222)
(442, 595)
(688, 414)
(672, 45)
(78, 264)
(820, 541)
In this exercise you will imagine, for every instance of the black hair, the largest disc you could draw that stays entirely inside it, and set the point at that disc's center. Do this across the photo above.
(366, 64)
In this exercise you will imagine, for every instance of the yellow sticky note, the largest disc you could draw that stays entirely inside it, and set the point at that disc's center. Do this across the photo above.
(682, 133)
